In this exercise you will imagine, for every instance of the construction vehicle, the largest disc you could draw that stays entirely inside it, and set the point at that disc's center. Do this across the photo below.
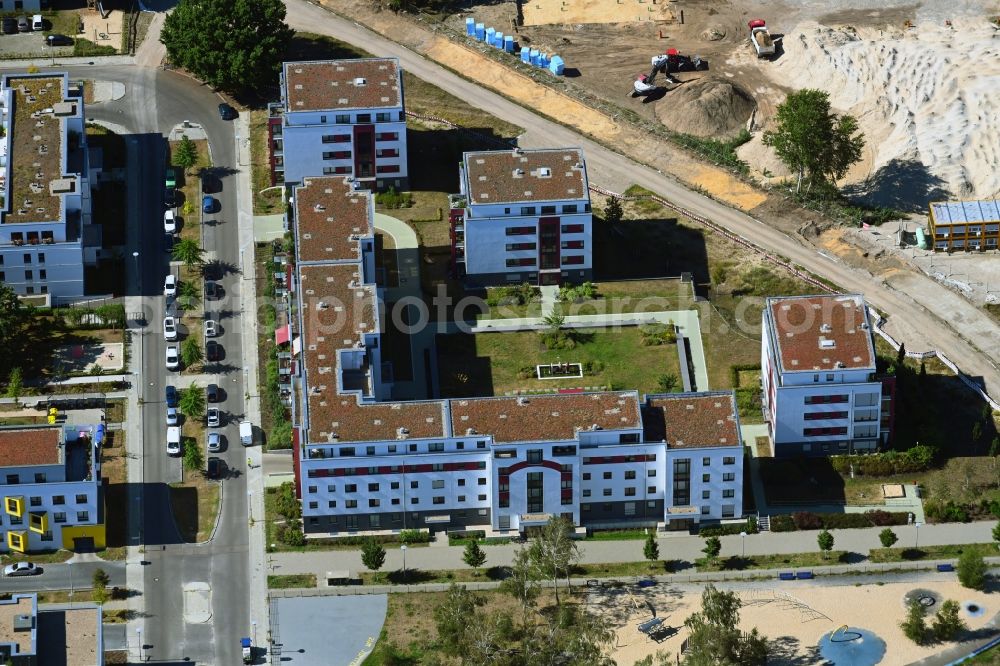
(761, 39)
(667, 63)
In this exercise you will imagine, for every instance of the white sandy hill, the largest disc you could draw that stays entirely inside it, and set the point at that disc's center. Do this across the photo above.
(927, 95)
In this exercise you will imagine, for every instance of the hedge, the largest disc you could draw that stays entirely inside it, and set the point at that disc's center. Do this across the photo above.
(406, 536)
(807, 520)
(916, 459)
(735, 370)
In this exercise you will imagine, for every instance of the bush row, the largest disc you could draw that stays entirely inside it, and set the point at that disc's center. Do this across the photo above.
(915, 459)
(405, 536)
(806, 520)
(516, 294)
(735, 370)
(938, 511)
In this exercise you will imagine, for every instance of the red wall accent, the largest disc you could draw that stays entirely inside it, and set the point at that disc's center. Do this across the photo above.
(295, 463)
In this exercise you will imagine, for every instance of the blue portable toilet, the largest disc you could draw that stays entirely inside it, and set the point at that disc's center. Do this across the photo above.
(470, 27)
(508, 43)
(556, 66)
(498, 40)
(543, 60)
(526, 54)
(480, 31)
(99, 435)
(534, 57)
(490, 32)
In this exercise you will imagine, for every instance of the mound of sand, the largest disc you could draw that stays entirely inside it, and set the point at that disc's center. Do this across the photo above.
(714, 33)
(706, 107)
(925, 98)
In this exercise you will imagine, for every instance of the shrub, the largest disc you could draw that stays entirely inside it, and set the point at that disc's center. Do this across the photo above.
(782, 523)
(557, 339)
(721, 530)
(946, 512)
(972, 570)
(947, 622)
(657, 334)
(806, 520)
(393, 199)
(526, 372)
(735, 370)
(577, 293)
(518, 294)
(880, 518)
(292, 534)
(914, 627)
(916, 459)
(414, 536)
(593, 367)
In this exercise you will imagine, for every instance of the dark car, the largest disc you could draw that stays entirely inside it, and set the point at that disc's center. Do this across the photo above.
(213, 351)
(211, 289)
(59, 40)
(212, 393)
(169, 197)
(9, 25)
(171, 396)
(208, 204)
(227, 112)
(216, 468)
(23, 24)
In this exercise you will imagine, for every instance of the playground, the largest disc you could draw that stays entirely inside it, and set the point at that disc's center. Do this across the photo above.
(109, 356)
(836, 623)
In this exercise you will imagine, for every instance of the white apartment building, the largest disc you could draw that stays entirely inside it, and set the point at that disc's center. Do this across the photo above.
(820, 391)
(30, 636)
(25, 6)
(527, 218)
(51, 487)
(46, 230)
(364, 462)
(340, 117)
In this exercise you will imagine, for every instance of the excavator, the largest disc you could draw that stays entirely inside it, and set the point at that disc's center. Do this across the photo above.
(666, 64)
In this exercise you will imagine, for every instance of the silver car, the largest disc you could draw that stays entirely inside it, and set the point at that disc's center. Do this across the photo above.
(213, 442)
(21, 569)
(172, 416)
(214, 417)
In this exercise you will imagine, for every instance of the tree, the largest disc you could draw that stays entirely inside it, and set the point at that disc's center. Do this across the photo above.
(660, 658)
(715, 637)
(554, 552)
(474, 555)
(811, 140)
(192, 402)
(372, 554)
(613, 211)
(454, 619)
(189, 295)
(188, 251)
(972, 570)
(667, 382)
(996, 533)
(191, 352)
(713, 546)
(825, 542)
(14, 318)
(914, 627)
(651, 549)
(193, 458)
(901, 355)
(100, 586)
(888, 538)
(233, 45)
(947, 622)
(14, 384)
(995, 447)
(522, 584)
(186, 155)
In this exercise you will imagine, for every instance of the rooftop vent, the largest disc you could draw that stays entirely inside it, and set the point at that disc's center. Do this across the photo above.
(471, 431)
(825, 343)
(360, 81)
(319, 208)
(322, 305)
(825, 328)
(839, 364)
(518, 173)
(522, 401)
(402, 433)
(544, 172)
(594, 426)
(23, 623)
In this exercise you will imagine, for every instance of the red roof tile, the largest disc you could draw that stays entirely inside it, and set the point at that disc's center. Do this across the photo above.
(330, 217)
(363, 83)
(510, 176)
(821, 332)
(30, 447)
(692, 420)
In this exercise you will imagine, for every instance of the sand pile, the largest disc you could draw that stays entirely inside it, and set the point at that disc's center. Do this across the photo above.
(706, 107)
(926, 99)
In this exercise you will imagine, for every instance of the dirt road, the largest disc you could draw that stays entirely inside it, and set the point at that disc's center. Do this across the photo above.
(947, 323)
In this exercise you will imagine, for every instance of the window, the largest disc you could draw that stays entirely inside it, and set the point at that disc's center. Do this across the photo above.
(651, 473)
(43, 274)
(81, 499)
(706, 462)
(728, 510)
(729, 460)
(728, 476)
(39, 477)
(586, 476)
(571, 245)
(825, 399)
(336, 154)
(336, 138)
(57, 517)
(332, 504)
(413, 448)
(548, 210)
(347, 450)
(527, 210)
(630, 491)
(572, 228)
(29, 275)
(515, 247)
(629, 474)
(437, 484)
(706, 494)
(374, 521)
(27, 259)
(41, 257)
(343, 118)
(56, 499)
(331, 489)
(414, 485)
(370, 451)
(35, 501)
(394, 485)
(482, 498)
(816, 416)
(819, 432)
(438, 500)
(524, 261)
(569, 208)
(373, 487)
(364, 117)
(387, 168)
(607, 475)
(607, 492)
(313, 505)
(535, 456)
(311, 489)
(435, 447)
(461, 482)
(728, 494)
(351, 504)
(392, 448)
(651, 490)
(351, 488)
(573, 260)
(586, 492)
(482, 481)
(564, 451)
(387, 136)
(706, 510)
(82, 516)
(629, 508)
(382, 117)
(373, 503)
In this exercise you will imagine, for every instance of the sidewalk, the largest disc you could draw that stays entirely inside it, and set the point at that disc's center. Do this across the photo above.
(671, 548)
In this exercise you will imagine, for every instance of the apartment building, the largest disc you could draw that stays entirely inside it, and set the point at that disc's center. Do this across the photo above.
(820, 391)
(366, 462)
(965, 225)
(30, 636)
(340, 117)
(46, 230)
(526, 218)
(51, 487)
(25, 6)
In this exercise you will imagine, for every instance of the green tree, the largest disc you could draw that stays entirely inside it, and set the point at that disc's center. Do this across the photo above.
(522, 583)
(193, 457)
(186, 155)
(100, 583)
(455, 619)
(188, 251)
(713, 546)
(188, 295)
(191, 352)
(667, 382)
(613, 211)
(233, 45)
(372, 554)
(192, 402)
(659, 658)
(812, 141)
(14, 319)
(651, 549)
(474, 555)
(825, 542)
(888, 538)
(996, 533)
(715, 637)
(285, 502)
(914, 626)
(554, 552)
(15, 385)
(947, 622)
(972, 570)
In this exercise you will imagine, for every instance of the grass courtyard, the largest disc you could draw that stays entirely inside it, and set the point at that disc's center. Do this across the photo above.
(496, 363)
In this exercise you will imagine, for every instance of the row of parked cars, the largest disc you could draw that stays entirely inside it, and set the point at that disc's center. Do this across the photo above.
(11, 25)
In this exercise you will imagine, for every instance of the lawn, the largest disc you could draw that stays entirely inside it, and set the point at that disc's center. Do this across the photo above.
(189, 190)
(429, 209)
(270, 202)
(282, 582)
(425, 98)
(915, 554)
(794, 560)
(639, 295)
(496, 363)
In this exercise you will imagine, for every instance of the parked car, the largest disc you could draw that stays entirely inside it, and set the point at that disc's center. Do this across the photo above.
(23, 25)
(173, 359)
(172, 417)
(173, 441)
(170, 286)
(213, 442)
(216, 468)
(37, 23)
(211, 328)
(169, 222)
(21, 569)
(211, 289)
(169, 329)
(213, 351)
(208, 204)
(214, 417)
(58, 40)
(171, 396)
(171, 179)
(227, 112)
(9, 25)
(212, 393)
(169, 197)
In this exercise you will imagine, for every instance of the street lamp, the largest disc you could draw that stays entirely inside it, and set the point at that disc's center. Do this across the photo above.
(70, 565)
(135, 255)
(250, 500)
(916, 535)
(403, 548)
(138, 632)
(743, 544)
(253, 623)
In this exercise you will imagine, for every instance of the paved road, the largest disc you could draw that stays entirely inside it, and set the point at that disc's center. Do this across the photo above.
(686, 548)
(65, 577)
(608, 168)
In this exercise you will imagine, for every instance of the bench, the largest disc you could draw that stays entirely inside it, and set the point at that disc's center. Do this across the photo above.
(804, 575)
(786, 575)
(649, 625)
(945, 567)
(646, 583)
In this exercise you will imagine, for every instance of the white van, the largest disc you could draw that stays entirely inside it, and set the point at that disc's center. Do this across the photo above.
(246, 433)
(37, 23)
(173, 441)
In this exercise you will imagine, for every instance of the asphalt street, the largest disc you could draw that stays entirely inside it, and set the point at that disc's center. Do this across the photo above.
(64, 576)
